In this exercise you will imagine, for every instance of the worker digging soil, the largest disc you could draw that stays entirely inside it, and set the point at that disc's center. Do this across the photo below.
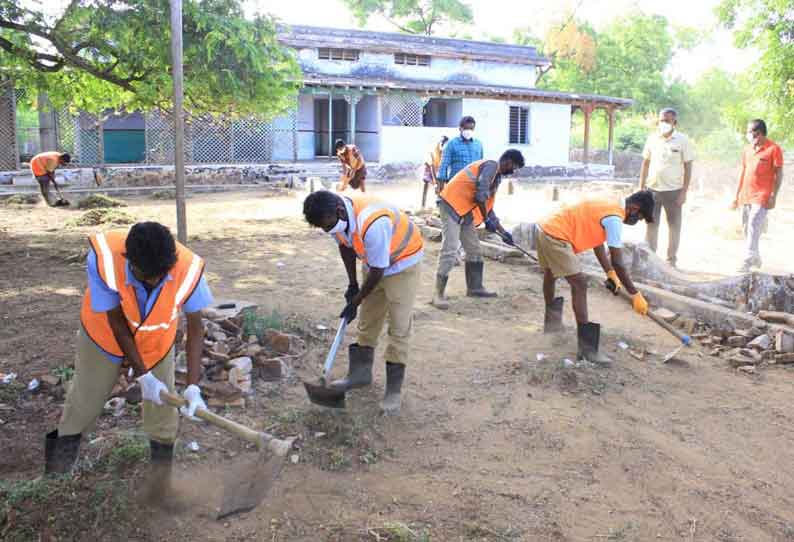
(137, 283)
(575, 229)
(391, 250)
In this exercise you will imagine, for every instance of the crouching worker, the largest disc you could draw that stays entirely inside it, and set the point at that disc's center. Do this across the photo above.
(137, 283)
(391, 249)
(584, 226)
(466, 202)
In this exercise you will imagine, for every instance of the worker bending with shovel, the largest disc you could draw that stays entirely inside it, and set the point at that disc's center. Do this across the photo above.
(575, 229)
(138, 281)
(354, 170)
(467, 201)
(43, 167)
(390, 248)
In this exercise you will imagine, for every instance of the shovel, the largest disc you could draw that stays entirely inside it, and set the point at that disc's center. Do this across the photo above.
(61, 201)
(320, 394)
(244, 488)
(685, 339)
(518, 248)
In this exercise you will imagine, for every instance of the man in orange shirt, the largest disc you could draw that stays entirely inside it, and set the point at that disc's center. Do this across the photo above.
(575, 229)
(431, 168)
(354, 170)
(43, 167)
(759, 183)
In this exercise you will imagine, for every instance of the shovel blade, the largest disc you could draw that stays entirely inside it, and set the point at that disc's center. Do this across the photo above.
(324, 396)
(248, 483)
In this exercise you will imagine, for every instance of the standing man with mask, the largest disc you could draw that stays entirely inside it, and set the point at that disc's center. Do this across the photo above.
(459, 152)
(391, 249)
(138, 281)
(760, 179)
(666, 171)
(575, 229)
(466, 202)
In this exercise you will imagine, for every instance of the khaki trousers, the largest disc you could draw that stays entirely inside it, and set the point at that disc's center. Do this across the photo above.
(94, 378)
(454, 235)
(393, 297)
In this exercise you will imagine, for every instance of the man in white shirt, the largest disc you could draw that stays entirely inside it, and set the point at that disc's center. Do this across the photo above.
(666, 171)
(390, 247)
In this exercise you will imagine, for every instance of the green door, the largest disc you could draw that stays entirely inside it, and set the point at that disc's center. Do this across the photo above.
(124, 146)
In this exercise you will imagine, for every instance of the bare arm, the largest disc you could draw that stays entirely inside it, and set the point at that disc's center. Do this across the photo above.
(616, 255)
(778, 182)
(373, 278)
(349, 259)
(123, 335)
(646, 165)
(601, 255)
(687, 176)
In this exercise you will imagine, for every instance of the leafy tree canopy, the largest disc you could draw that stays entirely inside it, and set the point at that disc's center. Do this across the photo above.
(412, 16)
(115, 54)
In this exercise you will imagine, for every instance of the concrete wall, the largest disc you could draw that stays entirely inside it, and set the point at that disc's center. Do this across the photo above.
(305, 127)
(549, 130)
(379, 65)
(368, 127)
(409, 143)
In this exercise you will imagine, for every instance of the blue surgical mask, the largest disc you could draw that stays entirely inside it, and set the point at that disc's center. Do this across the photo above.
(341, 226)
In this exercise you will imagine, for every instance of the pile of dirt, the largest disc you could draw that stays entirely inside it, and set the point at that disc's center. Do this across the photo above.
(99, 201)
(163, 194)
(99, 217)
(23, 199)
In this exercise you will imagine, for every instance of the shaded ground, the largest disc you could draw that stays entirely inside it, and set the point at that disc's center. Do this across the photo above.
(493, 444)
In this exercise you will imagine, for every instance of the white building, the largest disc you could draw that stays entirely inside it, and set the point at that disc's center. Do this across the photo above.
(394, 95)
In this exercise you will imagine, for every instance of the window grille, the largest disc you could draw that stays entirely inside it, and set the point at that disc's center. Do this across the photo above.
(519, 125)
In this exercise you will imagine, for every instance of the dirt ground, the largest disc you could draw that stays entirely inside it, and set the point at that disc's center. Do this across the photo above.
(496, 441)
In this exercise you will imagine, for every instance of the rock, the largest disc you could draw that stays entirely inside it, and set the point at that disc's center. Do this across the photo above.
(252, 339)
(749, 369)
(211, 314)
(762, 342)
(253, 350)
(230, 327)
(221, 391)
(784, 343)
(214, 356)
(736, 340)
(784, 358)
(116, 406)
(430, 233)
(665, 314)
(280, 342)
(739, 360)
(49, 380)
(242, 364)
(220, 348)
(218, 336)
(686, 324)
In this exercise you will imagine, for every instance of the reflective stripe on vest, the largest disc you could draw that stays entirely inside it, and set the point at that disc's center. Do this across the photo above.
(580, 224)
(155, 334)
(367, 210)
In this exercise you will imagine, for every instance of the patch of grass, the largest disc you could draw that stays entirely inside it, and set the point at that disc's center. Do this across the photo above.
(63, 372)
(11, 391)
(37, 490)
(23, 199)
(395, 531)
(477, 531)
(100, 217)
(256, 324)
(131, 449)
(99, 201)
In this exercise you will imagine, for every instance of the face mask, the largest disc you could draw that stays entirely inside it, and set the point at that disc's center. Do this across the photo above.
(665, 128)
(467, 134)
(341, 226)
(751, 139)
(632, 219)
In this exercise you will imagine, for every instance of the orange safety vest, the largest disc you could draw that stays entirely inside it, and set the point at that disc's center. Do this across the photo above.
(155, 335)
(38, 164)
(435, 157)
(351, 157)
(580, 224)
(406, 239)
(459, 193)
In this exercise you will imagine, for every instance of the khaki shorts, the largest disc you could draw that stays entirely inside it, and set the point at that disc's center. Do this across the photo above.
(557, 256)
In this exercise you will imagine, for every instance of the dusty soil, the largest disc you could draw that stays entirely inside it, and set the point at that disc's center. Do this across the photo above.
(493, 443)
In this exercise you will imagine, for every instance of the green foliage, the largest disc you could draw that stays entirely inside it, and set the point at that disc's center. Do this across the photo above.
(131, 449)
(769, 26)
(63, 372)
(257, 324)
(115, 54)
(412, 16)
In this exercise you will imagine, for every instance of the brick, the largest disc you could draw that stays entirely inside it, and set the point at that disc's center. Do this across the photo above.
(784, 343)
(665, 314)
(736, 340)
(785, 358)
(280, 342)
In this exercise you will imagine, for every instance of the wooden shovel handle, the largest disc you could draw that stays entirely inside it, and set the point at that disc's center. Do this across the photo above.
(280, 447)
(683, 337)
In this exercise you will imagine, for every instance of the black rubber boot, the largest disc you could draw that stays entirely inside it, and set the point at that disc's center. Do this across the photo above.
(158, 482)
(60, 453)
(439, 299)
(589, 335)
(474, 287)
(392, 400)
(359, 372)
(552, 322)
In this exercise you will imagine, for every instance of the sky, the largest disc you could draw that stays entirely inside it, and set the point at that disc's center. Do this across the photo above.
(500, 17)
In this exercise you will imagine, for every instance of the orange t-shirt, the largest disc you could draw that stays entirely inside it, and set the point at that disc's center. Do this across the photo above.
(44, 162)
(759, 169)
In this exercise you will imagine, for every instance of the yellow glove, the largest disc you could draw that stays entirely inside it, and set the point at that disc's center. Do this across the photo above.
(640, 304)
(613, 283)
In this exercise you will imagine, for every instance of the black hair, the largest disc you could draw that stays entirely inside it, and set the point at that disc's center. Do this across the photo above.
(515, 156)
(643, 198)
(759, 125)
(66, 158)
(318, 205)
(466, 120)
(444, 139)
(669, 110)
(338, 144)
(151, 248)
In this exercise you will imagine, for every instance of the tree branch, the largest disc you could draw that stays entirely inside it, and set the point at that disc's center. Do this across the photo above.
(33, 58)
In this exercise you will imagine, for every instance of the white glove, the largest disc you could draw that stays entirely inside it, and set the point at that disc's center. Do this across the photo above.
(151, 388)
(192, 395)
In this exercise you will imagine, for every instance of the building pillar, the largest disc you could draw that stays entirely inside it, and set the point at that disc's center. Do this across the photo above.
(587, 110)
(610, 147)
(352, 101)
(330, 124)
